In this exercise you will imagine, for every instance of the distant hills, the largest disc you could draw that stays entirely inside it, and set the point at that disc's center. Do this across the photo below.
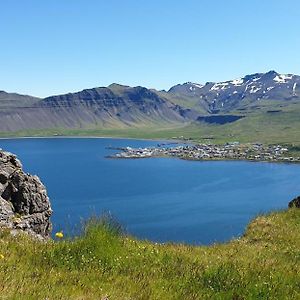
(118, 106)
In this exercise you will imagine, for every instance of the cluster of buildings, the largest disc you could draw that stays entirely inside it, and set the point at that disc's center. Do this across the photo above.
(229, 151)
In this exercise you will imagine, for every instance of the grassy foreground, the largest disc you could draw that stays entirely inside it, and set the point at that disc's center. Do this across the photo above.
(264, 264)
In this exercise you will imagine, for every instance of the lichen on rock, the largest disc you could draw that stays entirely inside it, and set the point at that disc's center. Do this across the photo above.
(24, 204)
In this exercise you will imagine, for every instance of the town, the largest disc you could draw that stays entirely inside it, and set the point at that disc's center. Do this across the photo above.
(228, 151)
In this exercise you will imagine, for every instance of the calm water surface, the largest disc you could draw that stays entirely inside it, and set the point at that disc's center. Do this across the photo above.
(158, 199)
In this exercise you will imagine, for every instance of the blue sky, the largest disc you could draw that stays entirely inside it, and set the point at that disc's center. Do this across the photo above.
(58, 46)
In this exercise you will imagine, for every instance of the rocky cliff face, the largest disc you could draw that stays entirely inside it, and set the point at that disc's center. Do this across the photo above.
(24, 204)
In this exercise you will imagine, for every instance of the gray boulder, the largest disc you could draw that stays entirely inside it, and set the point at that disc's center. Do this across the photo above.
(24, 204)
(295, 202)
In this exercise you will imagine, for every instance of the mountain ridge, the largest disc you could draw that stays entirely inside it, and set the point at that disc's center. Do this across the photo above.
(122, 106)
(117, 106)
(227, 95)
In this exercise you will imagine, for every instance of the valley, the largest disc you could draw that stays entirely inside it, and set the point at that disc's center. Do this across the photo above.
(262, 107)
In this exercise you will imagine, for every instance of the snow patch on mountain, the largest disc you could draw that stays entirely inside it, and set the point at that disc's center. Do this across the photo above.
(200, 86)
(220, 86)
(225, 95)
(238, 82)
(254, 89)
(281, 78)
(256, 79)
(194, 85)
(294, 88)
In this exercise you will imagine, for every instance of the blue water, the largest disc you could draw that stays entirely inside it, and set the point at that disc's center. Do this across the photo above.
(158, 199)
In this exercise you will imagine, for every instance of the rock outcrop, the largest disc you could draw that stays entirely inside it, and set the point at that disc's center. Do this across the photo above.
(24, 204)
(295, 202)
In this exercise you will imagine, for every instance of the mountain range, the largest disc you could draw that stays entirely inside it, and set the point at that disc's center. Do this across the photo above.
(119, 106)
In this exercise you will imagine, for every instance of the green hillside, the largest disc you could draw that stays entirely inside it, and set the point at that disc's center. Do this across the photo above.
(281, 126)
(264, 264)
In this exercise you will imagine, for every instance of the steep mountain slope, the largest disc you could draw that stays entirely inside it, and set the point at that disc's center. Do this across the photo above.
(185, 98)
(119, 106)
(8, 100)
(230, 95)
(114, 106)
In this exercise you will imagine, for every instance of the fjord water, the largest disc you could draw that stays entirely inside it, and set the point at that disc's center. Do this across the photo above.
(158, 199)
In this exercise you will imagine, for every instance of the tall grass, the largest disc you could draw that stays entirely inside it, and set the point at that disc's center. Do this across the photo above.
(103, 261)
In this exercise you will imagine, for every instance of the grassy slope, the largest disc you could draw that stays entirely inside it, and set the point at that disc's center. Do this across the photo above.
(280, 127)
(259, 125)
(264, 264)
(184, 101)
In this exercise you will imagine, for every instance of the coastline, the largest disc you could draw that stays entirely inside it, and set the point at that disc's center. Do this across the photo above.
(149, 139)
(90, 137)
(209, 160)
(209, 152)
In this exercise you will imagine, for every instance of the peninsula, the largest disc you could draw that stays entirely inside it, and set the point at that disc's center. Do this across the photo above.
(228, 151)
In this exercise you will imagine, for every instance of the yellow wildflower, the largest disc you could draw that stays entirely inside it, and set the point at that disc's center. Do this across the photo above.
(1, 256)
(59, 235)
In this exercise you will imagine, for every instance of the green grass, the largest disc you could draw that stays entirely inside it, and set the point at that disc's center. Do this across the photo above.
(264, 264)
(257, 125)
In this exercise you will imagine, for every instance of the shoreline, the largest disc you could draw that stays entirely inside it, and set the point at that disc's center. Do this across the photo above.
(89, 137)
(206, 152)
(149, 139)
(209, 160)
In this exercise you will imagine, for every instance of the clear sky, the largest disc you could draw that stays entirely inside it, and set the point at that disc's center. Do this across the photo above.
(58, 46)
